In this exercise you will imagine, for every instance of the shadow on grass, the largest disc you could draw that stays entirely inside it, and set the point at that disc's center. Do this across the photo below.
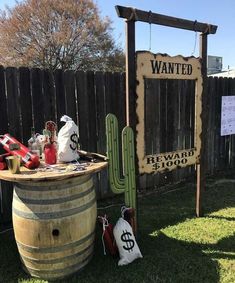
(181, 261)
(218, 196)
(222, 218)
(10, 266)
(172, 208)
(165, 259)
(224, 248)
(178, 261)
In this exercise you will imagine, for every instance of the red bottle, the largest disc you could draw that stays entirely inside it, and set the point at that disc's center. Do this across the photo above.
(50, 153)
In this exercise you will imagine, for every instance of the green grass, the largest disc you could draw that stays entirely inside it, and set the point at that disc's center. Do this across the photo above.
(176, 246)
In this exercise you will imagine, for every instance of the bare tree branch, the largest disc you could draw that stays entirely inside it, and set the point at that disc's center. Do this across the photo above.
(68, 34)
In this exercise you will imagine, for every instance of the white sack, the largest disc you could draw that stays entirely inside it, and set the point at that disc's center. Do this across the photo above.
(126, 243)
(68, 141)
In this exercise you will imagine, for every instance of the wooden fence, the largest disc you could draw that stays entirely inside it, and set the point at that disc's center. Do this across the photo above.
(170, 125)
(29, 97)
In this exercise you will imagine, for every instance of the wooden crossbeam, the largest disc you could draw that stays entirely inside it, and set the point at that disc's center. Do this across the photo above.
(154, 18)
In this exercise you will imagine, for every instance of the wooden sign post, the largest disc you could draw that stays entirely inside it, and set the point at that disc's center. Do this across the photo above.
(157, 66)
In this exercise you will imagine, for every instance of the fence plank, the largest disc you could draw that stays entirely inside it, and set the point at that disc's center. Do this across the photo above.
(221, 139)
(13, 103)
(109, 97)
(91, 115)
(25, 103)
(120, 93)
(81, 83)
(3, 103)
(37, 99)
(49, 108)
(210, 146)
(103, 186)
(6, 195)
(227, 138)
(101, 112)
(70, 94)
(6, 188)
(151, 119)
(60, 95)
(183, 107)
(175, 116)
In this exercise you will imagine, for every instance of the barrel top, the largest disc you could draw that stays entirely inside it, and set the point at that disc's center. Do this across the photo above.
(52, 172)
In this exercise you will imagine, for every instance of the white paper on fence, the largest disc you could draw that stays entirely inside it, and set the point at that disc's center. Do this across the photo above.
(227, 115)
(68, 141)
(126, 243)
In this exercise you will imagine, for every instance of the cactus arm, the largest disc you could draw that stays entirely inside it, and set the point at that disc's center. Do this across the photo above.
(117, 183)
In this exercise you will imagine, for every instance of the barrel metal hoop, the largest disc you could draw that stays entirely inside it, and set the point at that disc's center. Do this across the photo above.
(61, 259)
(53, 201)
(65, 271)
(54, 215)
(55, 249)
(53, 185)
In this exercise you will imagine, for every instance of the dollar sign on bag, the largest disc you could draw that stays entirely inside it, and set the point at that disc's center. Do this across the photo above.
(74, 139)
(125, 237)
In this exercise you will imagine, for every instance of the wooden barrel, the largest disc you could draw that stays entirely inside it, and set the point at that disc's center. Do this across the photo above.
(54, 225)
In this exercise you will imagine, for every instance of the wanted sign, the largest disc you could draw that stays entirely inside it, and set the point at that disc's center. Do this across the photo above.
(162, 66)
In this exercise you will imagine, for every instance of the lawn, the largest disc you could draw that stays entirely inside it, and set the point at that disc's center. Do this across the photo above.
(176, 246)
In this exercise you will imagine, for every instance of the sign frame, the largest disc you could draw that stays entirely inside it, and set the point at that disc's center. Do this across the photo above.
(163, 66)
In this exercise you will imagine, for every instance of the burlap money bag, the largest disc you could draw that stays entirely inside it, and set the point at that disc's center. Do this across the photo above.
(126, 243)
(68, 141)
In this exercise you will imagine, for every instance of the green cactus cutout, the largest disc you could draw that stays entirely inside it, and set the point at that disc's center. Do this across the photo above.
(127, 183)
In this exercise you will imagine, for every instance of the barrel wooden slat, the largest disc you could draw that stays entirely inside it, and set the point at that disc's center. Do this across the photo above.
(54, 224)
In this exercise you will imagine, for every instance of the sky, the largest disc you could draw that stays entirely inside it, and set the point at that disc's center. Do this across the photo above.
(160, 39)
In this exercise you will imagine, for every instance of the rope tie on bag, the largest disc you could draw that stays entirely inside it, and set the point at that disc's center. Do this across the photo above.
(105, 223)
(123, 210)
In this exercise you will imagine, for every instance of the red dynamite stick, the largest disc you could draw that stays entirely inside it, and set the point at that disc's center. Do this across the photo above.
(3, 165)
(14, 147)
(107, 235)
(112, 248)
